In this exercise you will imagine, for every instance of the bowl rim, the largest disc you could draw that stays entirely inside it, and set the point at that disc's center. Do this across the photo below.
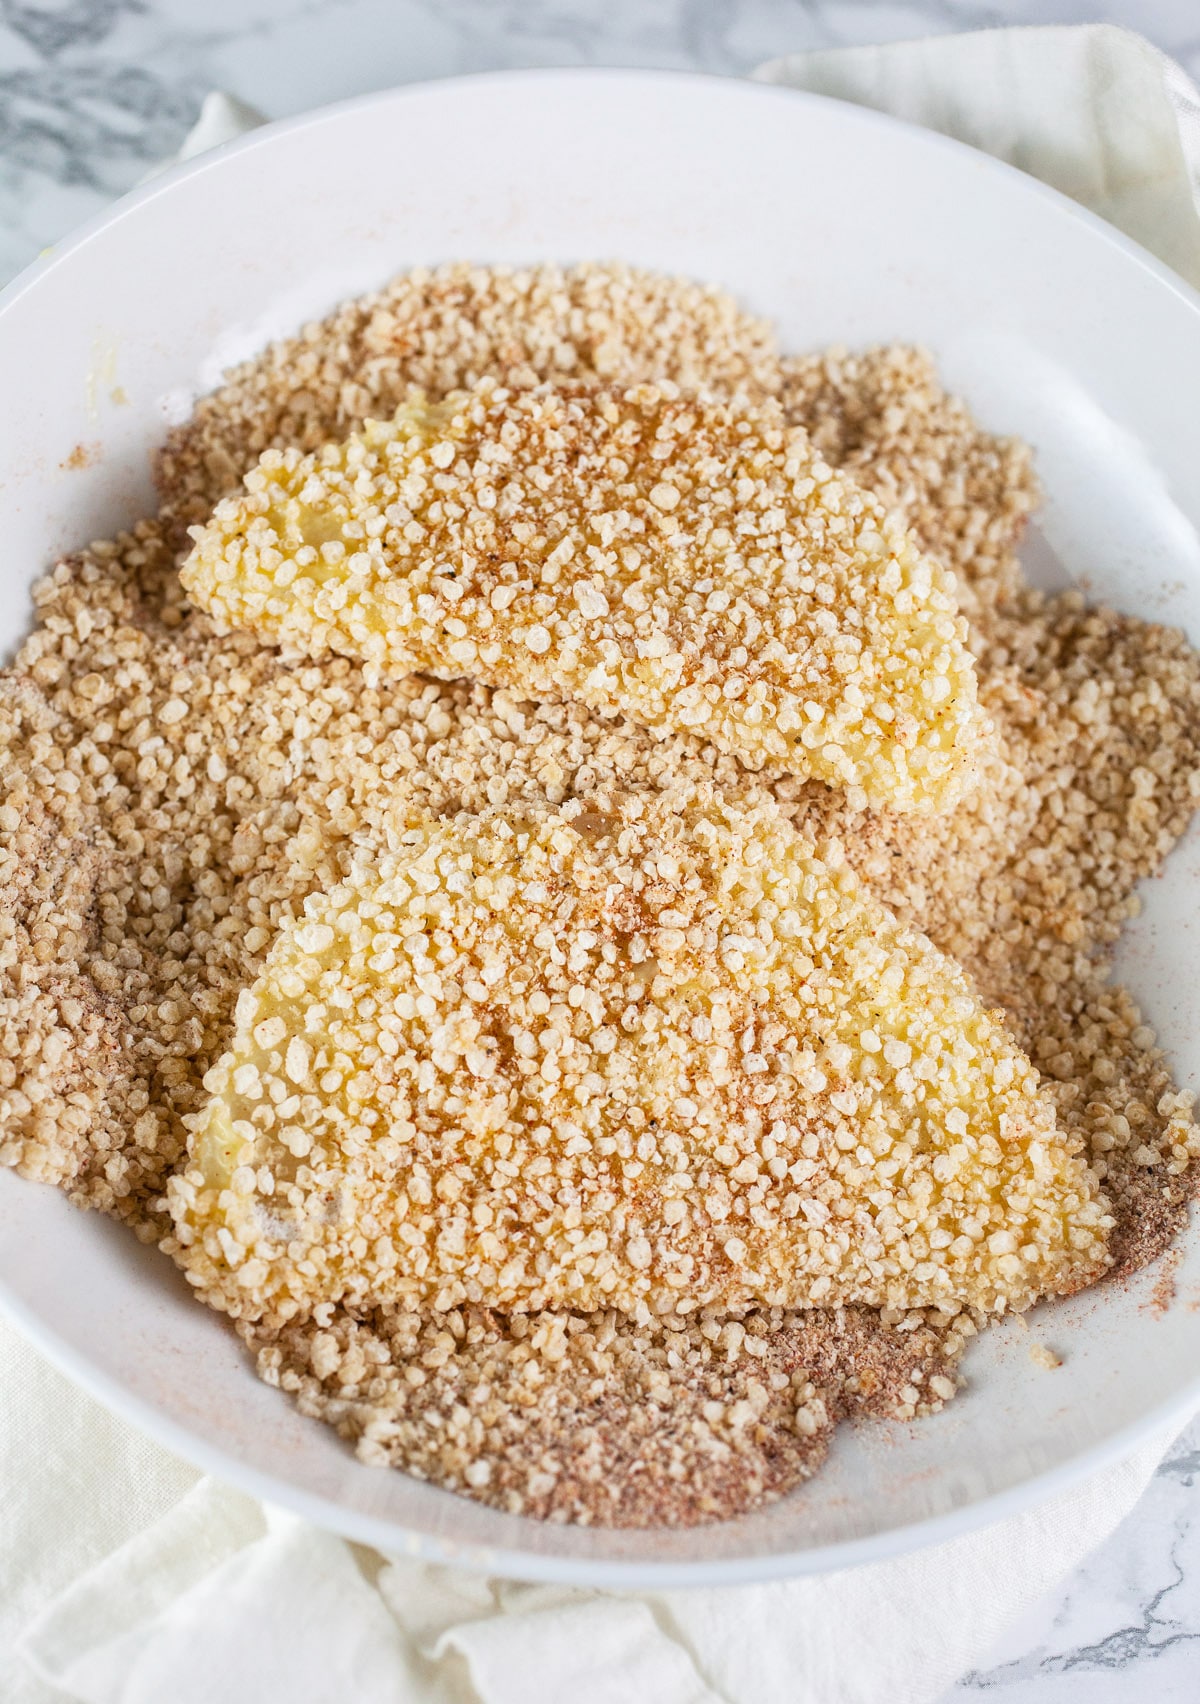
(514, 1563)
(392, 1540)
(164, 180)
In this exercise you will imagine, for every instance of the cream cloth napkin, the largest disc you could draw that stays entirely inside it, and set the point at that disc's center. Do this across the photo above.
(1096, 111)
(128, 1578)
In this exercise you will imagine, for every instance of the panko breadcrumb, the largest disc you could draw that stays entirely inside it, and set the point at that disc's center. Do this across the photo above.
(684, 561)
(882, 417)
(597, 1420)
(642, 1052)
(445, 329)
(169, 797)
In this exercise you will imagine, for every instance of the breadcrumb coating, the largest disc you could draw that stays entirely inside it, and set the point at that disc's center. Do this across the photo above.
(442, 329)
(883, 418)
(683, 560)
(171, 796)
(650, 1053)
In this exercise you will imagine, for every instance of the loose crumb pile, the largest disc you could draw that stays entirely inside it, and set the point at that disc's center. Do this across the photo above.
(169, 798)
(592, 1419)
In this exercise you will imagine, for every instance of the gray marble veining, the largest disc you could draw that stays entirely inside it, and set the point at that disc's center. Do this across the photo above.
(1125, 1627)
(93, 93)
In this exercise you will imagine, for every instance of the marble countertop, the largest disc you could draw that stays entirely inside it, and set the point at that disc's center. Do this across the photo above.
(1124, 1628)
(95, 92)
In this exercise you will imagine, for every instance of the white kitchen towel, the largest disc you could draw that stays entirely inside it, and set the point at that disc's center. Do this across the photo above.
(1095, 110)
(128, 1578)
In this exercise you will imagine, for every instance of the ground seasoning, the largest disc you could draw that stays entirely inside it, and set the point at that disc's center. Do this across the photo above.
(168, 799)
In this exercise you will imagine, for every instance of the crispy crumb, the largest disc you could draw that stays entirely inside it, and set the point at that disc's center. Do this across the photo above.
(148, 857)
(443, 330)
(683, 560)
(883, 416)
(648, 1052)
(591, 1419)
(1044, 1356)
(1165, 1290)
(83, 455)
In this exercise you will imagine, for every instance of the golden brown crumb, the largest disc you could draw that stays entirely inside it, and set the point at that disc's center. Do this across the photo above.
(202, 834)
(1029, 882)
(883, 417)
(642, 1052)
(670, 557)
(1165, 1289)
(591, 1419)
(443, 330)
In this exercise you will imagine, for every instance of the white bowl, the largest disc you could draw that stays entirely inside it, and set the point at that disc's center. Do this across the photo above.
(841, 225)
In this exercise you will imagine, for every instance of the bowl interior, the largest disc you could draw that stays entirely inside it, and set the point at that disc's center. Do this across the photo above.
(841, 226)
